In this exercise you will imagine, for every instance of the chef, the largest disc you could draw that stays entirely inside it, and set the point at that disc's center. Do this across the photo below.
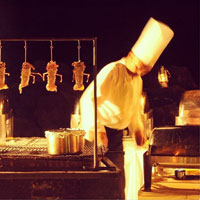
(119, 89)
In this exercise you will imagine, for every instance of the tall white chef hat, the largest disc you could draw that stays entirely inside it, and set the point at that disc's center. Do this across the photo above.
(152, 41)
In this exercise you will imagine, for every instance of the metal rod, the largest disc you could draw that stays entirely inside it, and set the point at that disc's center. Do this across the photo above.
(95, 100)
(0, 50)
(51, 49)
(25, 51)
(79, 52)
(45, 39)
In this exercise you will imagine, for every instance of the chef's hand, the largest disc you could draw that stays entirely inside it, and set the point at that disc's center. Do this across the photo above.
(140, 137)
(102, 139)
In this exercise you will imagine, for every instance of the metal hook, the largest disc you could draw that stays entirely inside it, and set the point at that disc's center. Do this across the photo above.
(51, 48)
(79, 52)
(25, 47)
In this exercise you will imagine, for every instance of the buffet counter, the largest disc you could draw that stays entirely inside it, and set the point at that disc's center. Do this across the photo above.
(27, 171)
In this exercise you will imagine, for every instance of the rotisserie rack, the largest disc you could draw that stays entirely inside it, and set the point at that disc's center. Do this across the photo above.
(30, 154)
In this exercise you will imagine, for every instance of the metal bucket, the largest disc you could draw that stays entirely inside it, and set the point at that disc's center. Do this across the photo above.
(65, 141)
(55, 142)
(74, 140)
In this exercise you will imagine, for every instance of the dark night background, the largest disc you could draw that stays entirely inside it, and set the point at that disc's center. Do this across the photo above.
(117, 25)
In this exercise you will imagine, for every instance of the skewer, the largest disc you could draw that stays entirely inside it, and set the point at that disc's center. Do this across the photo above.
(51, 49)
(45, 39)
(25, 51)
(79, 52)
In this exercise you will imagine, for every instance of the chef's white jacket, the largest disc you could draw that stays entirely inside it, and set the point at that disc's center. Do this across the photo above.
(118, 101)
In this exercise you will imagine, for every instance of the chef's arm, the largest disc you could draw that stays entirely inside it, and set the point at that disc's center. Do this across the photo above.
(102, 139)
(140, 137)
(136, 130)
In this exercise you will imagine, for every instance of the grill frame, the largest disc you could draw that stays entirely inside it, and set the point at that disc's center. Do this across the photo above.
(150, 158)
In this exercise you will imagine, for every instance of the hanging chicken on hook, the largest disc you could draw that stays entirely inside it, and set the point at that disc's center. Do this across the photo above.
(78, 72)
(51, 73)
(25, 75)
(2, 75)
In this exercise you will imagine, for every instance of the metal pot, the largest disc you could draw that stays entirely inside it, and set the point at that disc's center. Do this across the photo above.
(55, 142)
(65, 141)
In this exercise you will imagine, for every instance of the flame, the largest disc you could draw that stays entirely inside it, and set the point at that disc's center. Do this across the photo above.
(75, 118)
(77, 109)
(177, 153)
(181, 111)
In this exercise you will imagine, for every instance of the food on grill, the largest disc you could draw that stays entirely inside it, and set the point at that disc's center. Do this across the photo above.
(25, 75)
(2, 75)
(51, 73)
(78, 72)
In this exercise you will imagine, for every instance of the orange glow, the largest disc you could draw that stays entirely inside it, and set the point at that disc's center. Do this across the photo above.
(177, 153)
